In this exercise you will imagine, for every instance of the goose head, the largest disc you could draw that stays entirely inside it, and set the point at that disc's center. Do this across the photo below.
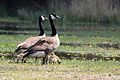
(42, 18)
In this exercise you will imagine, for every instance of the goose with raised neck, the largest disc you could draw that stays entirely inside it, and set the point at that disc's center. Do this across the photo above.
(31, 40)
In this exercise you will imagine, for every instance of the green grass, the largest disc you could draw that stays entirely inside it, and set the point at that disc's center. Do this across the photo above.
(9, 43)
(69, 69)
(93, 50)
(92, 37)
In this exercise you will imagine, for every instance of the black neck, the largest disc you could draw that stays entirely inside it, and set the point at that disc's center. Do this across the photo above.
(52, 27)
(41, 28)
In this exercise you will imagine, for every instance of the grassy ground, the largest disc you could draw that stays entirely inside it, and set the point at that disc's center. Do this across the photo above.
(69, 69)
(9, 43)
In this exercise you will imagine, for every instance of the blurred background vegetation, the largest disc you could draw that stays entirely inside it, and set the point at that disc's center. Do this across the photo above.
(84, 14)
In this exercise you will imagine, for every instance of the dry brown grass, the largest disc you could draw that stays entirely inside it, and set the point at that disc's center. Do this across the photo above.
(69, 69)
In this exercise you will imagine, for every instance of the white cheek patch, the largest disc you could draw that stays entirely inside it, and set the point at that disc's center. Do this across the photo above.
(52, 17)
(42, 18)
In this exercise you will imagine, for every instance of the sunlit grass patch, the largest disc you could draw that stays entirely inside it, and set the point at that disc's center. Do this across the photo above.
(67, 70)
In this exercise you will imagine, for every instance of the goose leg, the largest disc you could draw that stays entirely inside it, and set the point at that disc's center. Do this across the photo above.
(45, 59)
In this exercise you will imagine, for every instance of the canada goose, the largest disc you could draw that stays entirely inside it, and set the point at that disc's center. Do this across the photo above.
(46, 45)
(30, 41)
